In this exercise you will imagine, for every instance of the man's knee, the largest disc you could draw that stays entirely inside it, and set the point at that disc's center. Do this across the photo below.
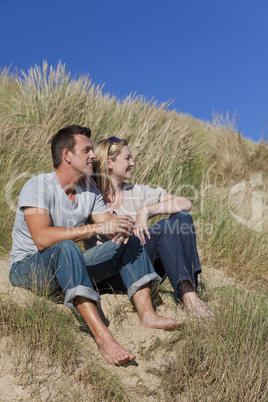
(68, 248)
(67, 244)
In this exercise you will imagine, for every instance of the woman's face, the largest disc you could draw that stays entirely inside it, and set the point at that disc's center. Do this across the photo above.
(121, 168)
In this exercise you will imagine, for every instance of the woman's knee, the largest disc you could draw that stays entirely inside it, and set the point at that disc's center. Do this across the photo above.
(134, 242)
(180, 222)
(183, 223)
(182, 216)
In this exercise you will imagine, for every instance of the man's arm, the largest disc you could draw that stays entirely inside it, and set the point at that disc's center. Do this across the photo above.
(45, 235)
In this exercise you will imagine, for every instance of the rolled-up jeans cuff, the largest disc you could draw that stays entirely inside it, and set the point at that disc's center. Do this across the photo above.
(153, 278)
(83, 291)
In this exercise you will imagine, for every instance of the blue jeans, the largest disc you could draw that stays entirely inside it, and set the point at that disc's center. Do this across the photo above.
(64, 267)
(173, 244)
(173, 252)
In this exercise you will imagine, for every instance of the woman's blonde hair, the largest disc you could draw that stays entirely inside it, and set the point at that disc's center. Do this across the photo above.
(104, 149)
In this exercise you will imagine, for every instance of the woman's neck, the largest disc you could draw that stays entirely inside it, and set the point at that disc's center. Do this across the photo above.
(114, 195)
(116, 185)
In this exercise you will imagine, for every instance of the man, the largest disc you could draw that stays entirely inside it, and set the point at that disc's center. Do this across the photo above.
(53, 209)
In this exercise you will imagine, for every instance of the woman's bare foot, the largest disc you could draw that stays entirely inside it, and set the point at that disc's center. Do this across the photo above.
(152, 320)
(195, 306)
(114, 353)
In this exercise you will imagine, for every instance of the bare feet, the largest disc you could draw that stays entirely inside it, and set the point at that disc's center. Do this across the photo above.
(108, 347)
(195, 306)
(114, 353)
(152, 320)
(147, 316)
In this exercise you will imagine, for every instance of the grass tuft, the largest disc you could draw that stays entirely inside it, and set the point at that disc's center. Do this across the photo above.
(39, 325)
(224, 359)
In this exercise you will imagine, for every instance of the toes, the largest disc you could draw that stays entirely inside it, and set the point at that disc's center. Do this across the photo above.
(127, 357)
(123, 358)
(175, 324)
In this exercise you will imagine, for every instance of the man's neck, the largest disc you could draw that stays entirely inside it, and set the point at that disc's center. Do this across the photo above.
(68, 181)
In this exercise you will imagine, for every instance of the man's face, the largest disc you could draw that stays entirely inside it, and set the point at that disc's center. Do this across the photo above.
(82, 155)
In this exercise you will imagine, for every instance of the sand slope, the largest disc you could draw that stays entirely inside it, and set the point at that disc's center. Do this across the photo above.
(139, 377)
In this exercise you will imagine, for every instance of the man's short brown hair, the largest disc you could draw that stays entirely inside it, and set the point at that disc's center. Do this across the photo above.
(64, 138)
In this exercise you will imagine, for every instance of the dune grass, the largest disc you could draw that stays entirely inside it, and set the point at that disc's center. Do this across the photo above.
(171, 150)
(224, 360)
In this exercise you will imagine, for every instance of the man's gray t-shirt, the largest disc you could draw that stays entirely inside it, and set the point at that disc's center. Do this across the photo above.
(44, 191)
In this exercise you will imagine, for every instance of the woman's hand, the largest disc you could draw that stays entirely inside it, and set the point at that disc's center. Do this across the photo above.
(141, 225)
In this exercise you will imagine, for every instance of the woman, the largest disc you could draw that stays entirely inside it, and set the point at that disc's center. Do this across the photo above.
(170, 243)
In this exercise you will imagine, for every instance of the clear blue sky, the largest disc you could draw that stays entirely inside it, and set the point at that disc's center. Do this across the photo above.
(207, 55)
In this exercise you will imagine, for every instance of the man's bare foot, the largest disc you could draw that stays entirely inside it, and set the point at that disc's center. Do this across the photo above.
(114, 353)
(195, 306)
(157, 322)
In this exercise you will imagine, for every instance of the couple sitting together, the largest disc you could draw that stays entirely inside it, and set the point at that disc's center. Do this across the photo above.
(57, 209)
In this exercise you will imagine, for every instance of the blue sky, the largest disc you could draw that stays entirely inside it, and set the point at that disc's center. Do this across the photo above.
(209, 55)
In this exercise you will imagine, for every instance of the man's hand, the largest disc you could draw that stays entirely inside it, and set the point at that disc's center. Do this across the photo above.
(117, 228)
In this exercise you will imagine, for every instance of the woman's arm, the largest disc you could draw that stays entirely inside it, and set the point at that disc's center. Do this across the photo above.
(168, 204)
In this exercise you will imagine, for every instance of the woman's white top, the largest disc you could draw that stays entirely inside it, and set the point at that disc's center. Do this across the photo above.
(135, 197)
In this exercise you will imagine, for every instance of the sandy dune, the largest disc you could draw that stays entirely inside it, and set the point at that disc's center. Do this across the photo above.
(126, 332)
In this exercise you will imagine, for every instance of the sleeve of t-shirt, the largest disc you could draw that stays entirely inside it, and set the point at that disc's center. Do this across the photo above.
(34, 194)
(99, 205)
(150, 195)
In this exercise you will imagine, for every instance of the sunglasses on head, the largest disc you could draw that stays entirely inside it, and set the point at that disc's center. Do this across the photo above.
(112, 141)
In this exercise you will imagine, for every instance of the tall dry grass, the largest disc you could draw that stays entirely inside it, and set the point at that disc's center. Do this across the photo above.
(8, 87)
(232, 157)
(228, 244)
(47, 99)
(233, 201)
(171, 150)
